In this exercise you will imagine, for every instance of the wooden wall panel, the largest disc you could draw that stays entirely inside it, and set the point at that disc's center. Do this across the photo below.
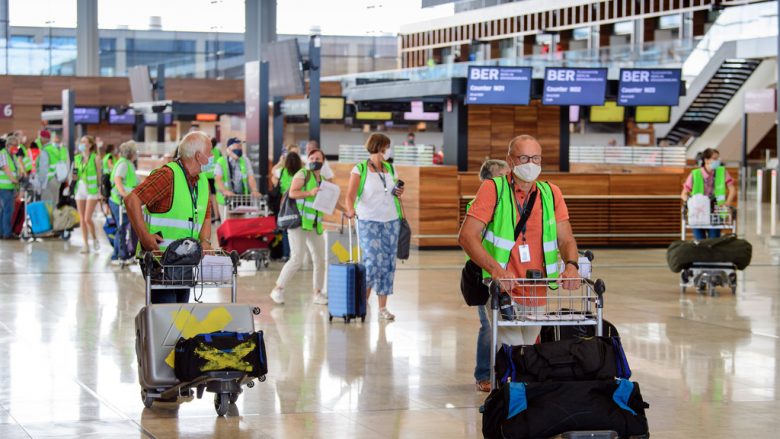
(502, 121)
(479, 135)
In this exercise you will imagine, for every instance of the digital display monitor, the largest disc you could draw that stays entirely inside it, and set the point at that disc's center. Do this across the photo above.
(649, 87)
(374, 115)
(498, 85)
(117, 118)
(86, 115)
(609, 112)
(151, 118)
(574, 86)
(652, 114)
(332, 108)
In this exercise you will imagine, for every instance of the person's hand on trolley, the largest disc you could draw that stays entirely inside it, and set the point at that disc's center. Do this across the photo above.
(571, 276)
(150, 242)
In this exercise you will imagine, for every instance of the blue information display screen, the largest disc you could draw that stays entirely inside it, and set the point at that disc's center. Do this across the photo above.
(126, 118)
(649, 87)
(86, 115)
(499, 85)
(565, 86)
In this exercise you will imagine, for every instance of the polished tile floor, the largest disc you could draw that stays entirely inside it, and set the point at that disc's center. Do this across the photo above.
(707, 365)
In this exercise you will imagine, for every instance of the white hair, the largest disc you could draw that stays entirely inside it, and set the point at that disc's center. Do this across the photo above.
(192, 143)
(127, 149)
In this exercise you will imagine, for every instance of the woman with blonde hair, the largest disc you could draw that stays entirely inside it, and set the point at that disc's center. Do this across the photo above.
(87, 169)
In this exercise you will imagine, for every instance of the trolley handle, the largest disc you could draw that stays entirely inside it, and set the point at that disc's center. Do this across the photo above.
(587, 253)
(598, 286)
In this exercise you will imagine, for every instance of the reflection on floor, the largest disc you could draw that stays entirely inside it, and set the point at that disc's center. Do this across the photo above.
(707, 365)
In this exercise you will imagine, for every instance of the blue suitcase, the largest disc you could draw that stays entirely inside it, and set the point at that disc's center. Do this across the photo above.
(40, 221)
(347, 288)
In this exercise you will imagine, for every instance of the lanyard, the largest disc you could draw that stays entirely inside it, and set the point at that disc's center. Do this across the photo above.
(381, 174)
(193, 190)
(525, 211)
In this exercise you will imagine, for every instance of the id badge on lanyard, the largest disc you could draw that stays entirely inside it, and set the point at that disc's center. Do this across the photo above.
(523, 250)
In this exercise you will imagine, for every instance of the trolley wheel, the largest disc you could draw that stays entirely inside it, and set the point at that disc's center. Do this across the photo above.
(257, 265)
(266, 261)
(362, 319)
(234, 397)
(330, 317)
(65, 235)
(147, 400)
(733, 290)
(261, 378)
(682, 289)
(711, 290)
(346, 320)
(221, 403)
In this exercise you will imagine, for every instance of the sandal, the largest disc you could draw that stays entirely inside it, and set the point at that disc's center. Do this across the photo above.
(483, 386)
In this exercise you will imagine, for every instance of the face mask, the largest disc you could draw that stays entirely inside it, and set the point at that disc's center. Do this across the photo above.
(528, 172)
(207, 167)
(315, 166)
(714, 164)
(238, 152)
(82, 147)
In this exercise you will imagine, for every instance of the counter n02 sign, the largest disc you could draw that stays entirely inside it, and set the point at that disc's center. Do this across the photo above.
(7, 111)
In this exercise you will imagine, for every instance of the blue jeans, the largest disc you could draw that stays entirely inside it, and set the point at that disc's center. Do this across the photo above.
(482, 371)
(123, 239)
(285, 245)
(7, 198)
(699, 234)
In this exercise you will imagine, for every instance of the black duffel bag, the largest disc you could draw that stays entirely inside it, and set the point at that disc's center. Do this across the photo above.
(541, 410)
(555, 333)
(579, 359)
(220, 351)
(682, 254)
(474, 291)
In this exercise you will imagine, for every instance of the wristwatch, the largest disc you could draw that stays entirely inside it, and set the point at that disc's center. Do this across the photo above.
(576, 265)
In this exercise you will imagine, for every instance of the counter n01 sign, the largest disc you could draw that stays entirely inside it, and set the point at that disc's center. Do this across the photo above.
(498, 85)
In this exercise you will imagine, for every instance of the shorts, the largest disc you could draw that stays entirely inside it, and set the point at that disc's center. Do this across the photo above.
(212, 187)
(81, 193)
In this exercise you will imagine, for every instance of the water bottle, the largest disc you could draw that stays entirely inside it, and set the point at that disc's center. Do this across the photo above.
(585, 267)
(505, 305)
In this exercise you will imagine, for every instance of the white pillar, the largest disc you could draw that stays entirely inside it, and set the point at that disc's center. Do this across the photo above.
(87, 58)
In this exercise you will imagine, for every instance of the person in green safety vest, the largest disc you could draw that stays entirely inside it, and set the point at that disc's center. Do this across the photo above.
(282, 177)
(173, 203)
(373, 195)
(124, 180)
(233, 175)
(86, 171)
(9, 183)
(493, 238)
(19, 155)
(490, 169)
(713, 180)
(304, 187)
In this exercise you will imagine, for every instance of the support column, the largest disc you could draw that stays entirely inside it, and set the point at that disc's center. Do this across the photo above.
(638, 36)
(564, 139)
(595, 38)
(256, 98)
(777, 96)
(314, 88)
(455, 127)
(4, 35)
(87, 55)
(686, 26)
(260, 27)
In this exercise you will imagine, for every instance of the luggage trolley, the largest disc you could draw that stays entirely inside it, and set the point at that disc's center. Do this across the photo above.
(27, 229)
(705, 276)
(582, 306)
(248, 206)
(226, 385)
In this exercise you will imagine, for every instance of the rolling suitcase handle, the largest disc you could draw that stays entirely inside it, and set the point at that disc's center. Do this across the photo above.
(350, 222)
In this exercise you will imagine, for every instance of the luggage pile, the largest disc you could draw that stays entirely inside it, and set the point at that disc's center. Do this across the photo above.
(562, 387)
(709, 263)
(249, 230)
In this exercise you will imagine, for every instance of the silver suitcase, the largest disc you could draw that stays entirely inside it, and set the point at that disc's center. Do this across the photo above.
(159, 327)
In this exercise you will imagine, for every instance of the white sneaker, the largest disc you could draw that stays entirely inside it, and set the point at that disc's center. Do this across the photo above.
(277, 295)
(84, 250)
(116, 262)
(384, 314)
(96, 245)
(320, 299)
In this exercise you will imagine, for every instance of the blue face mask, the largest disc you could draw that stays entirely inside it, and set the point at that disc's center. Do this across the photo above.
(715, 164)
(238, 152)
(82, 147)
(207, 167)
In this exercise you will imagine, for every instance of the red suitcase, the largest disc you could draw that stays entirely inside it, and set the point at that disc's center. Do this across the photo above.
(17, 219)
(242, 234)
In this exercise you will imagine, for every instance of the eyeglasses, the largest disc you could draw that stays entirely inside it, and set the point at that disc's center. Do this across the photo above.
(537, 159)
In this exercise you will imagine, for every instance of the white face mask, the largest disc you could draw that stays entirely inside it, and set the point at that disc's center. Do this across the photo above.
(527, 172)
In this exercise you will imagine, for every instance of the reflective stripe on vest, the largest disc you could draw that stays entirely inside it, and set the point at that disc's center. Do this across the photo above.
(718, 187)
(499, 239)
(129, 182)
(87, 172)
(309, 216)
(184, 219)
(227, 180)
(5, 181)
(363, 169)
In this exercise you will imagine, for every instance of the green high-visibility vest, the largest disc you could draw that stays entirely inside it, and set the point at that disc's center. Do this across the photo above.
(54, 157)
(718, 188)
(227, 181)
(26, 161)
(310, 219)
(5, 181)
(209, 173)
(185, 217)
(106, 168)
(499, 239)
(87, 173)
(363, 169)
(130, 181)
(285, 181)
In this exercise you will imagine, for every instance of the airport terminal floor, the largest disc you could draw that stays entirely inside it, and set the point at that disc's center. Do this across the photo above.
(706, 365)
